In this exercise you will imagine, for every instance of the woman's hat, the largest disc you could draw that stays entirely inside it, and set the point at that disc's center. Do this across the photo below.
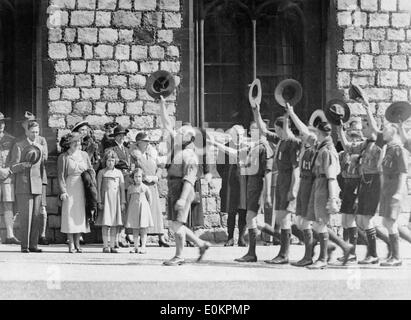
(32, 154)
(355, 93)
(78, 125)
(398, 112)
(255, 93)
(3, 118)
(288, 91)
(28, 116)
(119, 130)
(160, 83)
(142, 136)
(336, 111)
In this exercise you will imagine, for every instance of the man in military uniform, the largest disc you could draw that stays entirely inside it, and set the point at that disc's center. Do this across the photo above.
(182, 175)
(6, 182)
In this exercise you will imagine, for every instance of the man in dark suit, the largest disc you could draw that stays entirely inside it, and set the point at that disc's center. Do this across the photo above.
(27, 161)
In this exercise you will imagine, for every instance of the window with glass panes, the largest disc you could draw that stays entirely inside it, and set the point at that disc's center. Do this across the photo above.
(237, 41)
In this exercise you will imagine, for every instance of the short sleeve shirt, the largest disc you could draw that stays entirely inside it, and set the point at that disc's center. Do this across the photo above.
(370, 153)
(395, 160)
(287, 154)
(327, 161)
(260, 160)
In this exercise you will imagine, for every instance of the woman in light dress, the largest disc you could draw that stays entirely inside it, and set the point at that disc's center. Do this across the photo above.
(70, 165)
(144, 156)
(111, 200)
(138, 210)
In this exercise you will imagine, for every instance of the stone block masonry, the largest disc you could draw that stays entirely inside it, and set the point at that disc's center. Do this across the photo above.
(103, 51)
(375, 54)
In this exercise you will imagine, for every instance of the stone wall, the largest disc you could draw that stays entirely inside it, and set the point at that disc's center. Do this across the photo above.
(374, 53)
(102, 52)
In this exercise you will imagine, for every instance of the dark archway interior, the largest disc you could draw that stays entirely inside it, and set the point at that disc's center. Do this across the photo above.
(17, 63)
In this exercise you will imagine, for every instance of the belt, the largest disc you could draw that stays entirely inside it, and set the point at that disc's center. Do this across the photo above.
(321, 175)
(174, 178)
(149, 183)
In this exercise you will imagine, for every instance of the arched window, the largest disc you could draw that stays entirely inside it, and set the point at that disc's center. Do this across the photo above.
(243, 39)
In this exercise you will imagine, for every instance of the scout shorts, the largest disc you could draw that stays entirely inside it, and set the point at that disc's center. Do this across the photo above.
(318, 201)
(254, 188)
(369, 194)
(389, 207)
(303, 196)
(349, 195)
(175, 186)
(282, 188)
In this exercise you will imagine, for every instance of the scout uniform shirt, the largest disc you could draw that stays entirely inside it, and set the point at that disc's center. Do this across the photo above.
(395, 160)
(326, 162)
(369, 154)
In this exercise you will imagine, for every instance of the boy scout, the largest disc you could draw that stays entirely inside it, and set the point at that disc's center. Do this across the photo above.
(350, 184)
(182, 175)
(324, 197)
(6, 182)
(369, 190)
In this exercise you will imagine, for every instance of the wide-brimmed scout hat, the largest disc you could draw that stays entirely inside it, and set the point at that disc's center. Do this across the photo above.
(398, 112)
(355, 92)
(3, 118)
(32, 154)
(28, 116)
(78, 125)
(142, 136)
(119, 130)
(337, 110)
(160, 83)
(288, 91)
(316, 117)
(255, 93)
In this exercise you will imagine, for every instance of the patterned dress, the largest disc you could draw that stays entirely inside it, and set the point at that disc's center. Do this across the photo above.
(138, 209)
(111, 194)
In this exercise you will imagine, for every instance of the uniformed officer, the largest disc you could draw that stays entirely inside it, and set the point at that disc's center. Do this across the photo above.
(182, 175)
(6, 182)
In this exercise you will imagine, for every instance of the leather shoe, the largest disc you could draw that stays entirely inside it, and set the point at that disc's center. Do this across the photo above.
(12, 240)
(175, 261)
(43, 241)
(247, 258)
(302, 263)
(319, 264)
(163, 244)
(25, 250)
(35, 250)
(113, 250)
(392, 262)
(369, 260)
(241, 242)
(277, 260)
(229, 243)
(203, 250)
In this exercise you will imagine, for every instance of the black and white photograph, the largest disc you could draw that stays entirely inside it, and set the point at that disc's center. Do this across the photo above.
(218, 151)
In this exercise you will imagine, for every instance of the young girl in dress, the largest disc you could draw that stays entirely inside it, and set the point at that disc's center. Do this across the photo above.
(138, 210)
(111, 200)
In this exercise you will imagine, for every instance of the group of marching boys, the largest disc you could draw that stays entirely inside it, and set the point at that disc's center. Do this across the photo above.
(317, 181)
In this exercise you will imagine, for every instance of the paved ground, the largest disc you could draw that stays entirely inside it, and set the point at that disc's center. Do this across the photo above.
(56, 274)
